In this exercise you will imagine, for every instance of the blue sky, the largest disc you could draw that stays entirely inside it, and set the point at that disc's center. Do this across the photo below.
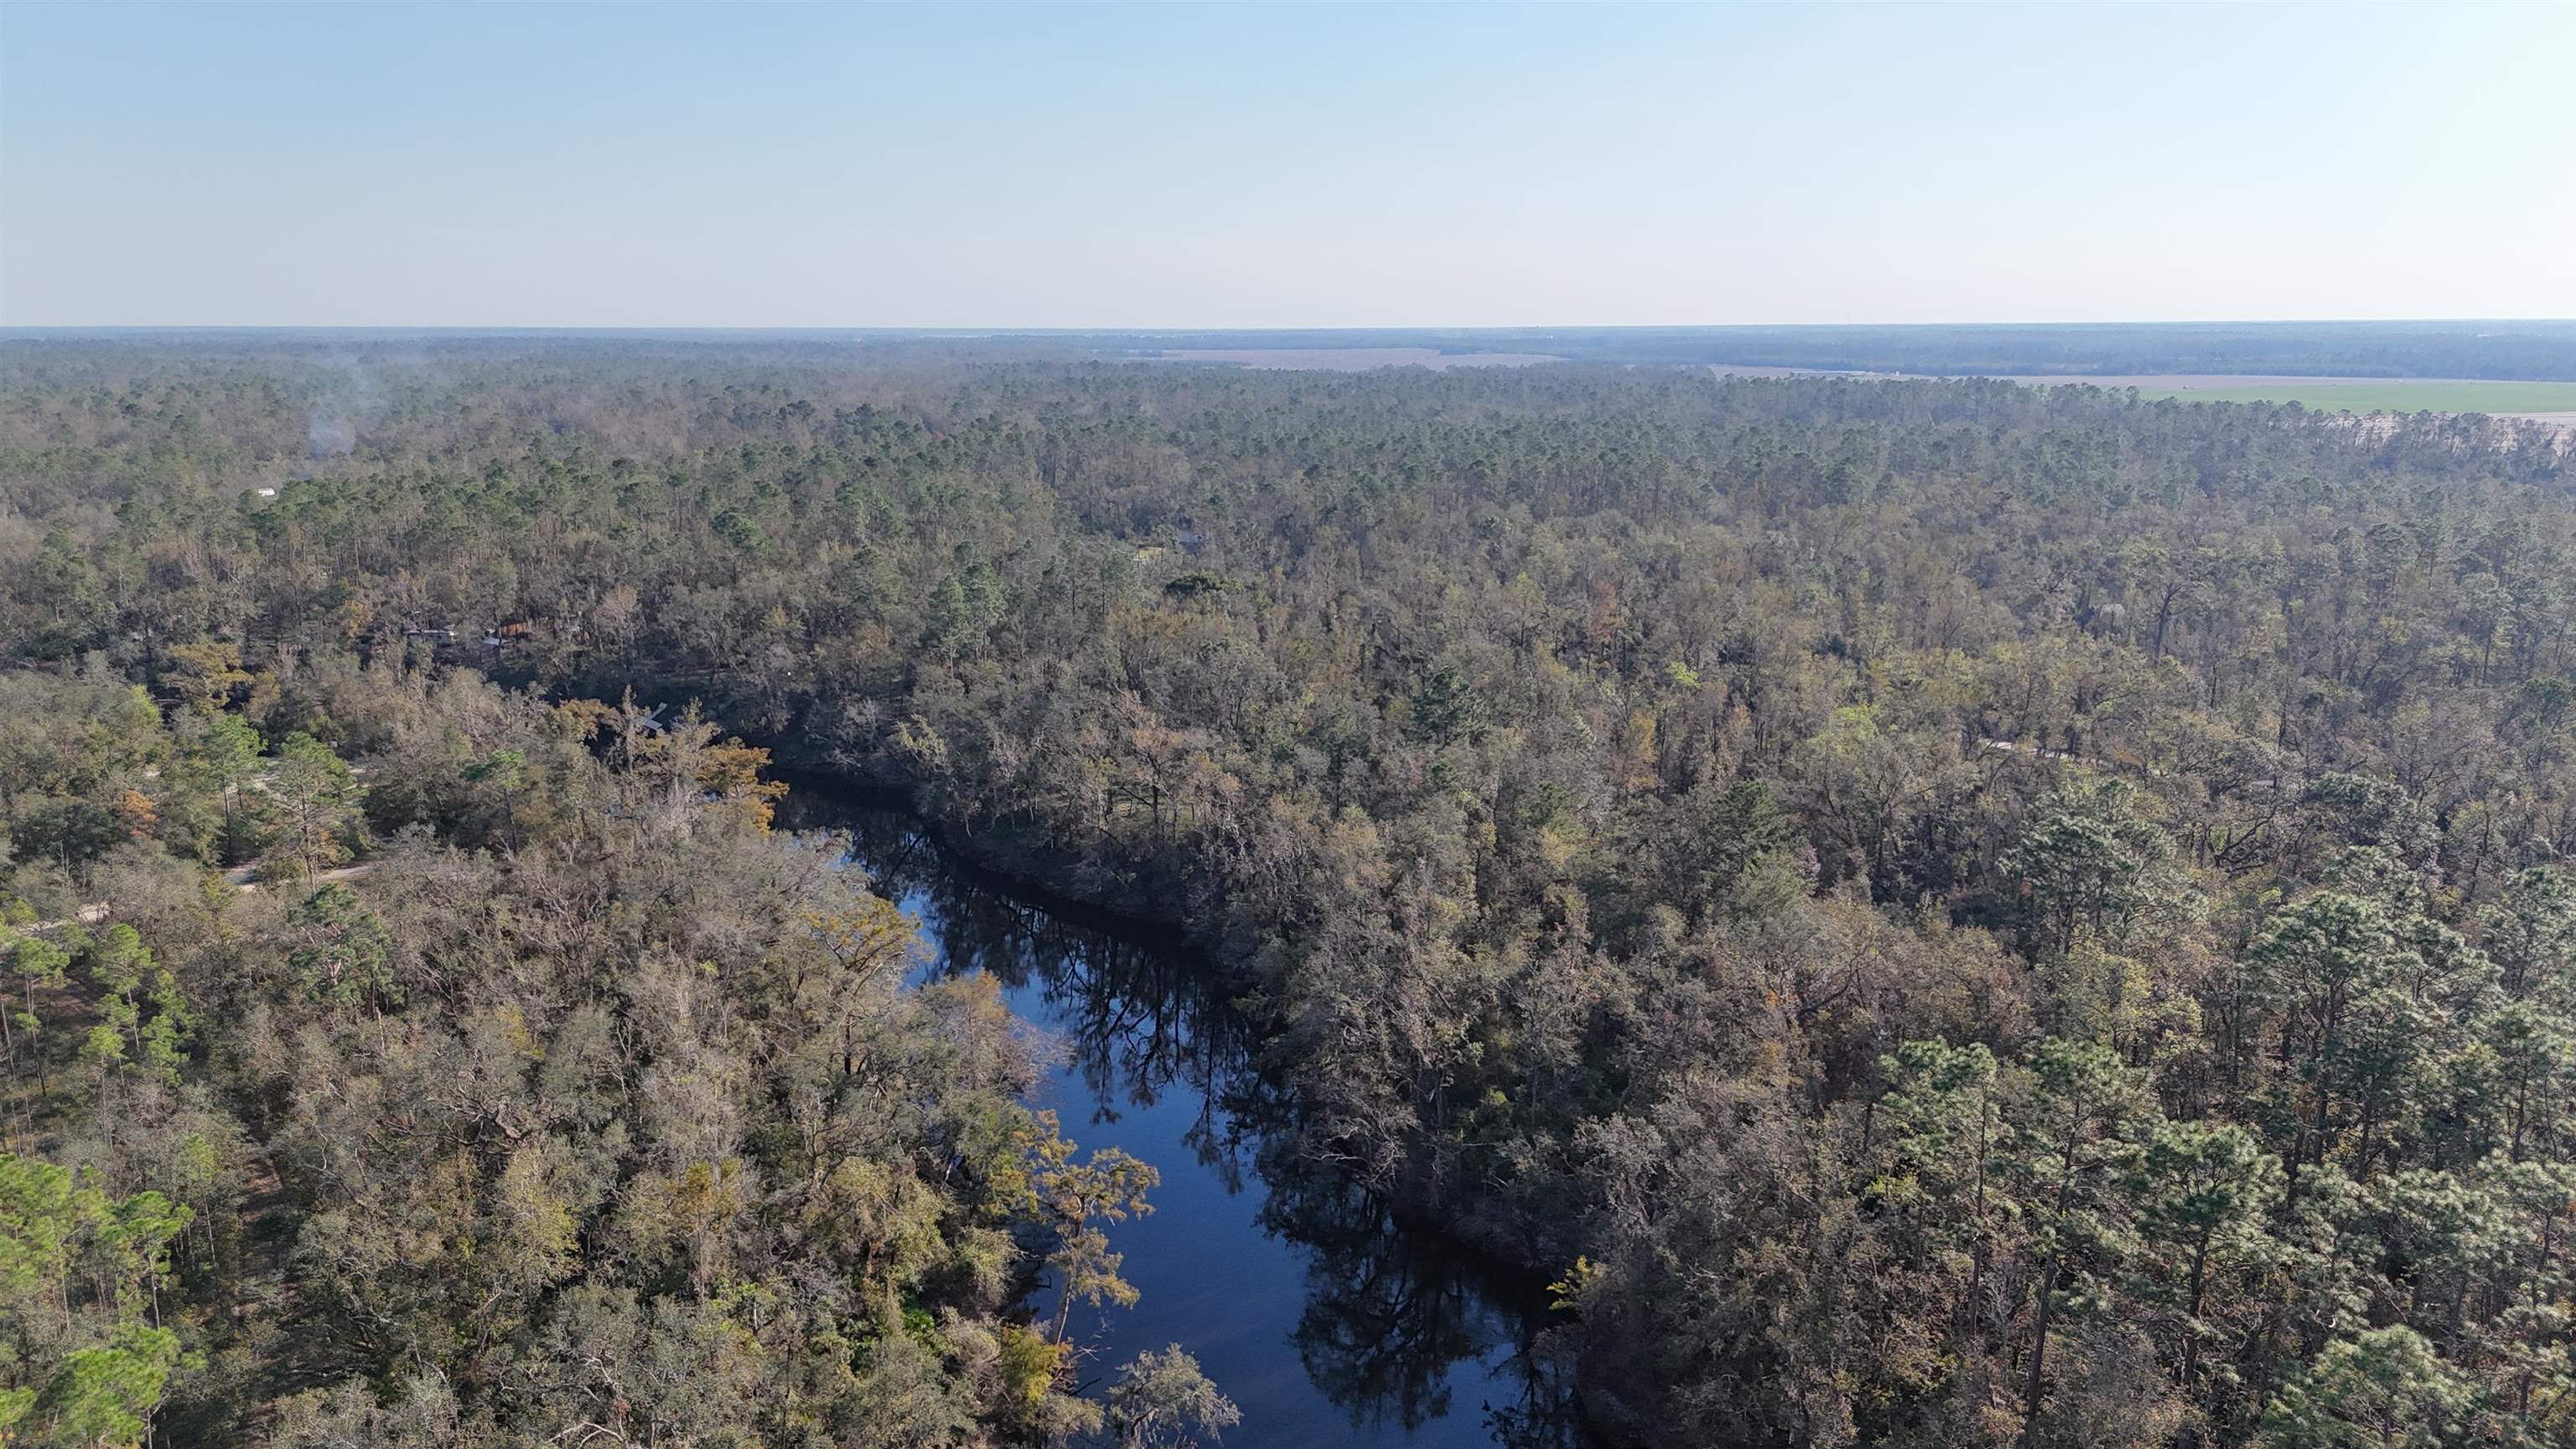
(1309, 165)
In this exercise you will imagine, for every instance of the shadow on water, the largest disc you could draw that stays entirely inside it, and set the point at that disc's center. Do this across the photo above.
(1308, 1303)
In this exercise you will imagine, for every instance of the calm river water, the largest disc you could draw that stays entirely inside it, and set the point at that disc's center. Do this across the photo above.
(1304, 1301)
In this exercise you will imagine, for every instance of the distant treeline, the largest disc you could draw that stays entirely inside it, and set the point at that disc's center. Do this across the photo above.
(2501, 350)
(2511, 350)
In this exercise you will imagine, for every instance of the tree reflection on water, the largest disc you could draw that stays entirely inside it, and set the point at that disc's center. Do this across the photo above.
(1391, 1311)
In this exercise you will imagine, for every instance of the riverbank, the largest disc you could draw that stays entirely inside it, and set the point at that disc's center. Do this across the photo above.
(1329, 1314)
(1420, 1173)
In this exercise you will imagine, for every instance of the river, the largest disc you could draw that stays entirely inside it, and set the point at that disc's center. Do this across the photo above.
(1324, 1319)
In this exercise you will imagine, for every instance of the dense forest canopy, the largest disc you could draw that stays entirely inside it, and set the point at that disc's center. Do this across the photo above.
(1934, 913)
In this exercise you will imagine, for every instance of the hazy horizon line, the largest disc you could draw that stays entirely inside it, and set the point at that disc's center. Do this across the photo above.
(1128, 330)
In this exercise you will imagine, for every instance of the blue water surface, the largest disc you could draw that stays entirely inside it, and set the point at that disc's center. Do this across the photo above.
(1326, 1321)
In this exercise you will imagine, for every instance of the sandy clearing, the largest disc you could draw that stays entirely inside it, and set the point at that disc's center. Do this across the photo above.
(2182, 383)
(2161, 381)
(2192, 381)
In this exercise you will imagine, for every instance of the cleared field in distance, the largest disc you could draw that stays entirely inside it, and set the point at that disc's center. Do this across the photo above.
(2395, 395)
